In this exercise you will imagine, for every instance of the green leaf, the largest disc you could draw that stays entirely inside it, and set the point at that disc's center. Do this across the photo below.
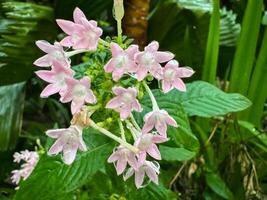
(246, 48)
(256, 92)
(175, 154)
(202, 99)
(183, 30)
(21, 24)
(52, 179)
(212, 50)
(11, 109)
(218, 185)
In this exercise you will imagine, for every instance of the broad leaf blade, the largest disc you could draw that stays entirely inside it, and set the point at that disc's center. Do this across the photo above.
(52, 179)
(11, 109)
(203, 99)
(175, 154)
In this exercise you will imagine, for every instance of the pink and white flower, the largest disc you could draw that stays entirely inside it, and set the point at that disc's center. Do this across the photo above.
(78, 92)
(121, 156)
(146, 144)
(30, 159)
(68, 141)
(149, 61)
(172, 74)
(151, 169)
(54, 53)
(82, 34)
(158, 119)
(125, 101)
(56, 77)
(122, 61)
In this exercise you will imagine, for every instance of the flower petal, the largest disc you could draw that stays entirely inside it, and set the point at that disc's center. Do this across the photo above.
(139, 178)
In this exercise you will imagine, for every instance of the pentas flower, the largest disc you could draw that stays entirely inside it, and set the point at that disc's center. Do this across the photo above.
(56, 77)
(151, 169)
(146, 143)
(54, 53)
(82, 34)
(158, 119)
(122, 61)
(125, 101)
(30, 159)
(149, 61)
(172, 74)
(78, 92)
(68, 141)
(121, 156)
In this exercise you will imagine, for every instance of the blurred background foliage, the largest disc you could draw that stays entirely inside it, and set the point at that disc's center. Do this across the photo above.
(216, 154)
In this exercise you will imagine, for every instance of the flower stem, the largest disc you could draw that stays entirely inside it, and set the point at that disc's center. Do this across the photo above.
(103, 42)
(133, 131)
(121, 130)
(112, 136)
(75, 52)
(152, 98)
(134, 122)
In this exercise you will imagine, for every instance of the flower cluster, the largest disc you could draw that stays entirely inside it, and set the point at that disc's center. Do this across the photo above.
(135, 157)
(30, 159)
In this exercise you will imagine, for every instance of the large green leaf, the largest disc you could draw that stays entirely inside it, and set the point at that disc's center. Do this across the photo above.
(52, 179)
(21, 24)
(183, 29)
(218, 185)
(202, 99)
(11, 109)
(175, 154)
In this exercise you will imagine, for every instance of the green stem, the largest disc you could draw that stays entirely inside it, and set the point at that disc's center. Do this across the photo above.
(103, 42)
(112, 136)
(121, 130)
(75, 52)
(152, 98)
(134, 122)
(135, 133)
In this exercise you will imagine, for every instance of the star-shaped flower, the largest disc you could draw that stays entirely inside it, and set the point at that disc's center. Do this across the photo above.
(68, 141)
(122, 156)
(56, 77)
(125, 101)
(78, 92)
(122, 61)
(151, 169)
(54, 53)
(146, 143)
(172, 74)
(149, 61)
(82, 34)
(158, 119)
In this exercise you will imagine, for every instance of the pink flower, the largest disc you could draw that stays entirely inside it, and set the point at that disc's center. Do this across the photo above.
(149, 61)
(122, 61)
(172, 75)
(54, 53)
(56, 77)
(79, 92)
(122, 156)
(146, 143)
(158, 119)
(68, 141)
(30, 159)
(125, 101)
(151, 169)
(82, 34)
